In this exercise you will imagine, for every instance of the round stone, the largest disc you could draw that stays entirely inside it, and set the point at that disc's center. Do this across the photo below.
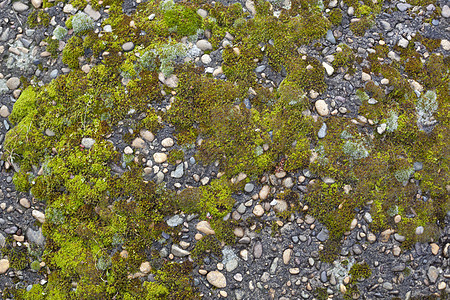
(147, 135)
(19, 6)
(138, 143)
(264, 193)
(167, 142)
(14, 82)
(419, 230)
(4, 265)
(258, 210)
(25, 202)
(159, 158)
(128, 46)
(204, 45)
(321, 108)
(206, 59)
(128, 150)
(4, 111)
(145, 267)
(217, 279)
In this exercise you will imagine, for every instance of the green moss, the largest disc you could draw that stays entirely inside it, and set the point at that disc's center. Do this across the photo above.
(24, 105)
(183, 20)
(175, 155)
(72, 51)
(360, 271)
(207, 245)
(335, 17)
(38, 18)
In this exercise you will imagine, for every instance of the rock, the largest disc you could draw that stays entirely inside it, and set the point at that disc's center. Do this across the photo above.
(442, 285)
(385, 235)
(365, 76)
(92, 13)
(128, 150)
(2, 241)
(434, 248)
(147, 135)
(321, 108)
(238, 232)
(230, 259)
(19, 6)
(388, 286)
(382, 128)
(14, 82)
(206, 59)
(4, 265)
(309, 219)
(433, 274)
(445, 11)
(403, 6)
(4, 111)
(179, 252)
(287, 256)
(258, 210)
(323, 235)
(179, 171)
(250, 5)
(330, 37)
(396, 250)
(257, 249)
(280, 206)
(264, 192)
(204, 45)
(288, 182)
(25, 202)
(138, 143)
(322, 131)
(445, 44)
(128, 46)
(399, 238)
(353, 224)
(87, 142)
(145, 267)
(167, 142)
(38, 215)
(419, 230)
(172, 81)
(273, 266)
(36, 3)
(294, 271)
(328, 68)
(403, 43)
(399, 267)
(159, 157)
(216, 279)
(204, 227)
(175, 221)
(202, 13)
(35, 237)
(371, 238)
(386, 25)
(397, 219)
(323, 276)
(249, 187)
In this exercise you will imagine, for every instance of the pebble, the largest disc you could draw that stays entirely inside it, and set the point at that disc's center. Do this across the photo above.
(128, 46)
(19, 6)
(403, 43)
(287, 256)
(167, 142)
(322, 131)
(92, 13)
(397, 219)
(179, 252)
(257, 250)
(25, 202)
(445, 11)
(4, 265)
(35, 237)
(322, 108)
(138, 143)
(258, 210)
(179, 171)
(264, 193)
(433, 274)
(159, 158)
(38, 215)
(247, 188)
(175, 221)
(204, 227)
(128, 150)
(323, 235)
(147, 135)
(216, 279)
(328, 68)
(403, 6)
(419, 230)
(145, 267)
(294, 271)
(206, 59)
(14, 82)
(434, 248)
(36, 3)
(4, 111)
(365, 76)
(204, 45)
(445, 44)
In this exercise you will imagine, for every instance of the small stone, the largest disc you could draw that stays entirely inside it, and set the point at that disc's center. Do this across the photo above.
(19, 6)
(288, 182)
(14, 82)
(445, 11)
(36, 3)
(442, 285)
(250, 5)
(385, 235)
(38, 215)
(35, 237)
(87, 142)
(264, 193)
(403, 6)
(175, 221)
(4, 265)
(172, 81)
(323, 235)
(25, 202)
(330, 37)
(202, 13)
(238, 232)
(179, 171)
(145, 267)
(396, 250)
(419, 230)
(384, 81)
(321, 108)
(147, 135)
(204, 45)
(223, 294)
(294, 271)
(4, 111)
(309, 219)
(249, 187)
(371, 238)
(399, 267)
(365, 76)
(399, 238)
(159, 157)
(287, 256)
(128, 150)
(167, 142)
(205, 227)
(138, 143)
(433, 274)
(238, 277)
(403, 43)
(258, 249)
(445, 44)
(313, 94)
(206, 59)
(397, 219)
(323, 276)
(322, 131)
(353, 224)
(258, 210)
(434, 248)
(128, 46)
(92, 13)
(328, 68)
(388, 286)
(179, 252)
(216, 279)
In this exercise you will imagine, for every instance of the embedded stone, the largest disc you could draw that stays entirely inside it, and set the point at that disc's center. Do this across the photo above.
(4, 111)
(95, 15)
(258, 210)
(328, 68)
(36, 3)
(38, 215)
(445, 11)
(147, 135)
(365, 76)
(403, 43)
(138, 143)
(159, 157)
(167, 142)
(128, 46)
(204, 45)
(179, 252)
(205, 227)
(128, 150)
(25, 202)
(145, 267)
(445, 44)
(19, 6)
(287, 256)
(434, 248)
(216, 279)
(4, 265)
(14, 82)
(321, 108)
(433, 274)
(264, 192)
(87, 142)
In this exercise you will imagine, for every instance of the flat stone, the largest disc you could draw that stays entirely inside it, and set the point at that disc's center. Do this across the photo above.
(323, 235)
(147, 135)
(87, 142)
(36, 3)
(445, 11)
(172, 81)
(25, 202)
(249, 187)
(4, 265)
(287, 256)
(433, 274)
(35, 237)
(19, 6)
(396, 250)
(403, 6)
(258, 210)
(216, 279)
(294, 271)
(138, 143)
(322, 131)
(365, 76)
(175, 221)
(159, 157)
(179, 171)
(202, 13)
(2, 241)
(403, 43)
(92, 12)
(250, 5)
(38, 215)
(371, 238)
(309, 219)
(288, 182)
(205, 227)
(434, 248)
(264, 192)
(179, 252)
(4, 111)
(323, 276)
(398, 267)
(257, 249)
(328, 68)
(204, 45)
(167, 142)
(399, 238)
(13, 82)
(280, 206)
(321, 108)
(128, 46)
